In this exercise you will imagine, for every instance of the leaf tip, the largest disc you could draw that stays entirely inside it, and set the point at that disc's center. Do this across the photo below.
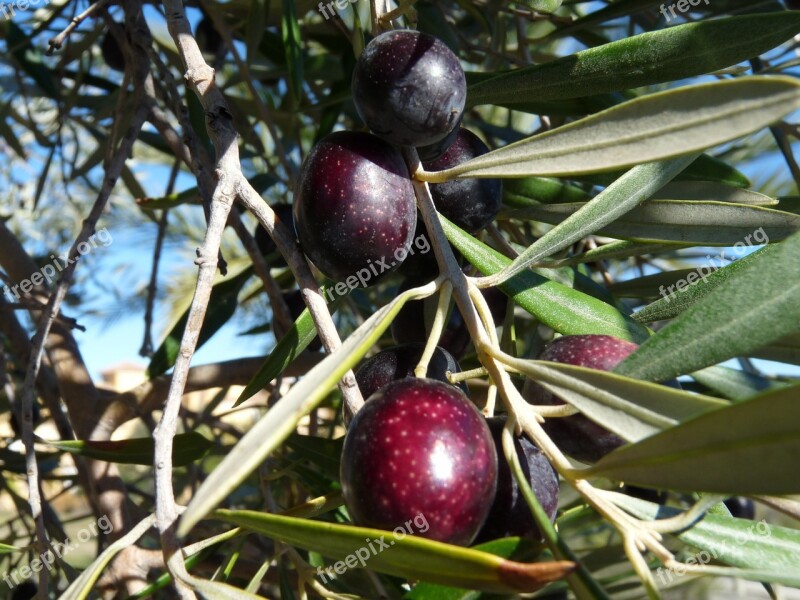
(529, 577)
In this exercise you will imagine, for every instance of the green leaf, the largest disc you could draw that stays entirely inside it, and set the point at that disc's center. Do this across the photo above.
(742, 449)
(655, 57)
(566, 310)
(701, 223)
(10, 137)
(759, 546)
(256, 24)
(708, 279)
(323, 453)
(29, 58)
(292, 43)
(622, 196)
(520, 193)
(621, 8)
(6, 549)
(630, 408)
(650, 286)
(513, 548)
(187, 448)
(705, 169)
(221, 306)
(708, 190)
(650, 128)
(282, 418)
(786, 349)
(409, 556)
(727, 322)
(543, 6)
(734, 384)
(289, 347)
(619, 249)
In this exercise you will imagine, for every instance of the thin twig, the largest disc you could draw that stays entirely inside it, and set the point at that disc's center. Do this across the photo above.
(56, 42)
(152, 286)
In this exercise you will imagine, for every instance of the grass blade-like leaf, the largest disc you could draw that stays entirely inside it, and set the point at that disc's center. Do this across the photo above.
(655, 57)
(753, 307)
(742, 449)
(295, 340)
(623, 195)
(709, 190)
(677, 301)
(650, 128)
(281, 420)
(187, 448)
(734, 384)
(566, 310)
(221, 306)
(770, 552)
(630, 408)
(412, 557)
(702, 223)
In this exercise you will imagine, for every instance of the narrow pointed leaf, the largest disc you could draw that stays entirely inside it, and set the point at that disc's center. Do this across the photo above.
(702, 223)
(566, 310)
(678, 300)
(187, 447)
(645, 59)
(290, 30)
(630, 408)
(727, 322)
(734, 384)
(412, 556)
(705, 169)
(221, 306)
(282, 419)
(650, 128)
(786, 349)
(742, 449)
(520, 193)
(295, 340)
(771, 551)
(711, 191)
(623, 195)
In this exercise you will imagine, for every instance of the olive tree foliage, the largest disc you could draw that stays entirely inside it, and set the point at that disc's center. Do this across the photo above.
(646, 151)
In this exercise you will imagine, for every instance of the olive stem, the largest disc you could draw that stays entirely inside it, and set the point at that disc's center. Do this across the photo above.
(437, 327)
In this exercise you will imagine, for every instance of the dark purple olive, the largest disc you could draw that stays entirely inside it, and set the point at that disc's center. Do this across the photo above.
(510, 514)
(577, 435)
(409, 88)
(399, 362)
(469, 203)
(355, 210)
(419, 449)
